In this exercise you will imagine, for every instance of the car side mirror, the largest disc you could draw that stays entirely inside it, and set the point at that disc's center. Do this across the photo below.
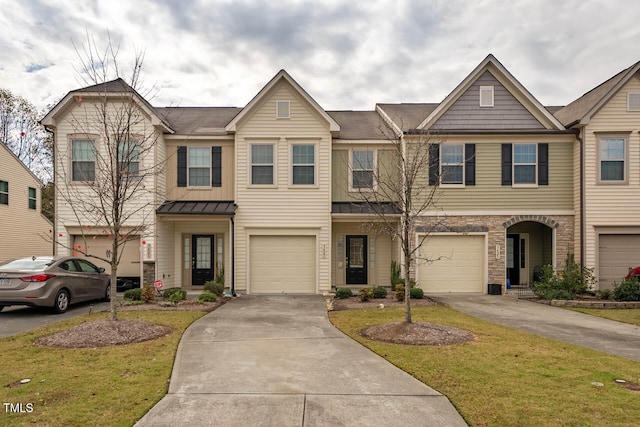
(101, 270)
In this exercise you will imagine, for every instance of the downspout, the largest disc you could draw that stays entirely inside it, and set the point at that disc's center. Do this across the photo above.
(233, 256)
(582, 201)
(54, 233)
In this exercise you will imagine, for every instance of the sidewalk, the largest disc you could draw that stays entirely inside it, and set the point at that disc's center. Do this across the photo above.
(278, 361)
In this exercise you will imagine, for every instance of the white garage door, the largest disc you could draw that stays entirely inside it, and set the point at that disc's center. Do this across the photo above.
(458, 264)
(617, 253)
(129, 263)
(283, 264)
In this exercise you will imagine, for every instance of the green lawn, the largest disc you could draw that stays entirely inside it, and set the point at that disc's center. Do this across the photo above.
(631, 316)
(506, 377)
(109, 386)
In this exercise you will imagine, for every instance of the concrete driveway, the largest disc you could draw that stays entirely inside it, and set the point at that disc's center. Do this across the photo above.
(278, 361)
(604, 335)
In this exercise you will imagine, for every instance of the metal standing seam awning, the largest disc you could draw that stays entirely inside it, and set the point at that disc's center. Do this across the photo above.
(197, 207)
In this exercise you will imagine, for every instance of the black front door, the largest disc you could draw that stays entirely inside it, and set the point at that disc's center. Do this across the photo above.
(513, 259)
(202, 259)
(356, 260)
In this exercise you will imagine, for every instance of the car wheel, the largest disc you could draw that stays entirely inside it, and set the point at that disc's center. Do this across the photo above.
(61, 303)
(107, 294)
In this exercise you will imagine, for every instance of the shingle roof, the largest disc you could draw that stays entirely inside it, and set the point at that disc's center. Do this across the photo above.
(198, 120)
(408, 116)
(359, 124)
(365, 208)
(197, 208)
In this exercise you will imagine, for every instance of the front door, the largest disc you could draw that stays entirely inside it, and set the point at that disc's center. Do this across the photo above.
(513, 259)
(356, 260)
(202, 259)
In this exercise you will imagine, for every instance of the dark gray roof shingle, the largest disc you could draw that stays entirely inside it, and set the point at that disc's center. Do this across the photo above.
(198, 120)
(198, 207)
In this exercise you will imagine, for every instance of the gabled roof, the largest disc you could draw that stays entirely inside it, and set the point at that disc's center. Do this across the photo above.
(491, 64)
(580, 111)
(283, 75)
(12, 154)
(117, 86)
(198, 120)
(407, 116)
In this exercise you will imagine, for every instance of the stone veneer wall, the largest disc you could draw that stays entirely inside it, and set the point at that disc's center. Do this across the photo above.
(148, 273)
(496, 229)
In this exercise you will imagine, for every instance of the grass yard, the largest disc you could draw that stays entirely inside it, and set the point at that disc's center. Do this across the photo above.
(631, 315)
(506, 377)
(112, 386)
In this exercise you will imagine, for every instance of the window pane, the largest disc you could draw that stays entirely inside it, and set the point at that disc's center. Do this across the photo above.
(82, 150)
(452, 154)
(261, 175)
(362, 160)
(612, 171)
(303, 175)
(362, 179)
(612, 149)
(83, 171)
(303, 154)
(452, 174)
(199, 177)
(524, 174)
(524, 153)
(199, 156)
(4, 187)
(262, 154)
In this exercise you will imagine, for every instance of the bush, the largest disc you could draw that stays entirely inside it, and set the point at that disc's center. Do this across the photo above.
(177, 296)
(416, 293)
(148, 294)
(379, 292)
(395, 275)
(399, 292)
(605, 294)
(207, 297)
(573, 280)
(169, 291)
(365, 294)
(629, 290)
(216, 288)
(133, 295)
(343, 293)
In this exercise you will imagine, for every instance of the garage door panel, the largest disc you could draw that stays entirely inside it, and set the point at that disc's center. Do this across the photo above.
(129, 262)
(283, 264)
(616, 254)
(453, 264)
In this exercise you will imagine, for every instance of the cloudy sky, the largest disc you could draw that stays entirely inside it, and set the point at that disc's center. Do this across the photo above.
(348, 54)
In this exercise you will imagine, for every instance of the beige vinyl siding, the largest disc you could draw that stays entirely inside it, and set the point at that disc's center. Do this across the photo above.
(283, 208)
(490, 194)
(341, 169)
(225, 192)
(612, 205)
(24, 230)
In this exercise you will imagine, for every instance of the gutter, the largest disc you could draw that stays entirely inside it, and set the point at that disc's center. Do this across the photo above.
(54, 239)
(582, 201)
(233, 256)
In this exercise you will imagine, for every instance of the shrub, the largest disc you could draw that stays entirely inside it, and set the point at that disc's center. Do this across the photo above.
(343, 293)
(148, 294)
(220, 275)
(605, 294)
(628, 290)
(395, 275)
(177, 296)
(214, 287)
(573, 280)
(379, 292)
(416, 293)
(133, 294)
(207, 297)
(169, 291)
(399, 292)
(365, 294)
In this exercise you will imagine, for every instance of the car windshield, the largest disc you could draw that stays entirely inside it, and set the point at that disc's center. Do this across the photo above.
(26, 264)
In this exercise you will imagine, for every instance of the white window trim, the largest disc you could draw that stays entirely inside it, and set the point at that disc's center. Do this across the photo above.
(513, 166)
(198, 167)
(250, 183)
(315, 165)
(636, 102)
(441, 163)
(350, 171)
(283, 102)
(490, 90)
(625, 159)
(94, 141)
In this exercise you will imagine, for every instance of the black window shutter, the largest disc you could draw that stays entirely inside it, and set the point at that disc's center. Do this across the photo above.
(543, 164)
(216, 166)
(182, 166)
(469, 164)
(434, 163)
(506, 164)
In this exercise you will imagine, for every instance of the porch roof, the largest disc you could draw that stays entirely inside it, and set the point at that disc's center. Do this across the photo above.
(366, 208)
(197, 207)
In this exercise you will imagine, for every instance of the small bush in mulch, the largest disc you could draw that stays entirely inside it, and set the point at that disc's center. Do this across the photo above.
(417, 333)
(379, 292)
(343, 293)
(207, 297)
(133, 294)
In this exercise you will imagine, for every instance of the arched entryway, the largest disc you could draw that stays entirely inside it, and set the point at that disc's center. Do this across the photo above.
(529, 245)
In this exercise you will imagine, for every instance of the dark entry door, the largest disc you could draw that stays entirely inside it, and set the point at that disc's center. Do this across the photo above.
(513, 258)
(356, 260)
(202, 260)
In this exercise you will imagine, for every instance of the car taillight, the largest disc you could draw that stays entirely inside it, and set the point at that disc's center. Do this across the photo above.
(37, 278)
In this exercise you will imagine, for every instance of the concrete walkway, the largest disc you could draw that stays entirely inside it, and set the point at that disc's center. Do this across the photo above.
(560, 324)
(278, 361)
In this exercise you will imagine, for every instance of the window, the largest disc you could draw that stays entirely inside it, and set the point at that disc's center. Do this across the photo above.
(452, 164)
(262, 164)
(612, 159)
(633, 101)
(128, 158)
(283, 110)
(303, 164)
(524, 163)
(4, 192)
(32, 198)
(199, 167)
(486, 96)
(83, 159)
(362, 169)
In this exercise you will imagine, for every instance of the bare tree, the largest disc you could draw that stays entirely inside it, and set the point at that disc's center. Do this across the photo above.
(108, 187)
(401, 192)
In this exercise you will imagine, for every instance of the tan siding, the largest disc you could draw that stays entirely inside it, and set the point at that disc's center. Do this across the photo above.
(341, 171)
(24, 230)
(284, 207)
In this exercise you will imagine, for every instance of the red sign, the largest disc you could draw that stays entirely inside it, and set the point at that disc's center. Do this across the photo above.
(158, 284)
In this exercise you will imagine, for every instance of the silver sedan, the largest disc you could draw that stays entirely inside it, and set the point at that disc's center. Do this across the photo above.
(53, 282)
